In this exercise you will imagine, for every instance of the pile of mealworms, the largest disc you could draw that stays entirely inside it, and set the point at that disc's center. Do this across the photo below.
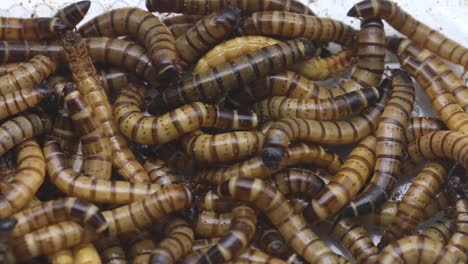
(200, 131)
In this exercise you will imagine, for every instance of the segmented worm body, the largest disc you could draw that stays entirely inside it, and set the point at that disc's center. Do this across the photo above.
(211, 201)
(459, 240)
(253, 255)
(441, 230)
(86, 253)
(415, 30)
(172, 125)
(180, 24)
(159, 172)
(64, 256)
(113, 80)
(76, 157)
(37, 28)
(211, 224)
(299, 182)
(292, 226)
(6, 68)
(148, 29)
(72, 14)
(140, 244)
(420, 126)
(63, 130)
(272, 242)
(206, 33)
(110, 250)
(6, 252)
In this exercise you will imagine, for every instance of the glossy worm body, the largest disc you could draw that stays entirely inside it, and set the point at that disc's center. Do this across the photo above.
(335, 108)
(53, 212)
(64, 256)
(172, 125)
(113, 80)
(297, 154)
(459, 240)
(214, 84)
(207, 33)
(272, 242)
(415, 30)
(390, 145)
(28, 75)
(211, 225)
(148, 29)
(292, 226)
(441, 230)
(298, 181)
(205, 7)
(72, 14)
(110, 250)
(6, 252)
(159, 172)
(180, 24)
(76, 157)
(252, 255)
(86, 253)
(28, 178)
(63, 130)
(282, 132)
(6, 68)
(211, 201)
(346, 184)
(420, 126)
(38, 28)
(140, 245)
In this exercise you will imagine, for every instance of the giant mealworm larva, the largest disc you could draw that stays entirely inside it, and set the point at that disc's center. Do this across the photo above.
(292, 25)
(94, 190)
(64, 256)
(213, 84)
(205, 7)
(206, 33)
(390, 145)
(297, 154)
(147, 28)
(412, 28)
(420, 126)
(346, 184)
(6, 68)
(211, 201)
(113, 80)
(140, 245)
(28, 75)
(180, 24)
(252, 255)
(37, 28)
(159, 172)
(6, 252)
(292, 226)
(188, 118)
(335, 108)
(72, 14)
(298, 181)
(410, 209)
(212, 224)
(282, 132)
(441, 230)
(86, 253)
(459, 240)
(232, 146)
(178, 242)
(52, 212)
(63, 130)
(27, 180)
(110, 250)
(76, 157)
(271, 241)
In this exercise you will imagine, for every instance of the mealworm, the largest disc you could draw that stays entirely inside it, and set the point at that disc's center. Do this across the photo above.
(442, 144)
(206, 33)
(6, 252)
(459, 240)
(390, 144)
(292, 226)
(176, 158)
(292, 25)
(28, 75)
(346, 184)
(113, 80)
(52, 212)
(410, 210)
(148, 29)
(28, 178)
(297, 154)
(180, 24)
(326, 132)
(335, 108)
(210, 224)
(415, 30)
(158, 130)
(356, 240)
(36, 28)
(72, 14)
(76, 157)
(271, 241)
(441, 230)
(314, 68)
(252, 255)
(63, 130)
(213, 149)
(211, 201)
(205, 7)
(213, 84)
(159, 172)
(412, 249)
(21, 128)
(86, 253)
(110, 250)
(6, 68)
(420, 126)
(298, 181)
(64, 256)
(8, 166)
(94, 190)
(140, 245)
(178, 242)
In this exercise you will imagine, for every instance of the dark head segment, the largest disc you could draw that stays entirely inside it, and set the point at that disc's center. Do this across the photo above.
(73, 14)
(230, 15)
(367, 8)
(163, 6)
(272, 157)
(309, 47)
(7, 224)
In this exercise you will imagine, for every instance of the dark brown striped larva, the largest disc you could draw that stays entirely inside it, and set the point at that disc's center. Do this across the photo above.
(29, 176)
(297, 154)
(140, 245)
(159, 172)
(442, 144)
(346, 184)
(390, 136)
(213, 202)
(335, 108)
(6, 252)
(282, 132)
(252, 255)
(37, 28)
(85, 253)
(205, 7)
(459, 240)
(64, 256)
(178, 242)
(28, 75)
(180, 24)
(188, 118)
(63, 130)
(113, 80)
(96, 146)
(214, 84)
(21, 128)
(55, 211)
(147, 28)
(412, 28)
(292, 25)
(232, 146)
(72, 14)
(420, 126)
(356, 240)
(271, 241)
(441, 230)
(410, 209)
(211, 224)
(76, 157)
(298, 181)
(110, 250)
(414, 249)
(207, 33)
(94, 190)
(292, 226)
(6, 68)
